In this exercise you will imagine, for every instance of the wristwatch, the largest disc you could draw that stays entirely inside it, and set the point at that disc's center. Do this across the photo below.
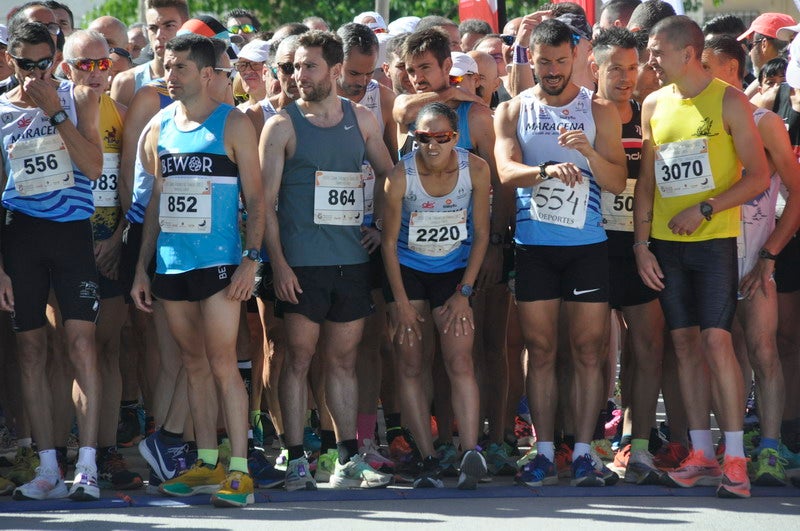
(252, 254)
(706, 209)
(59, 118)
(763, 253)
(543, 174)
(465, 289)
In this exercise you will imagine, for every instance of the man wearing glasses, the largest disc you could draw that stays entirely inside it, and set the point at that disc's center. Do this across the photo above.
(244, 24)
(51, 153)
(763, 42)
(35, 12)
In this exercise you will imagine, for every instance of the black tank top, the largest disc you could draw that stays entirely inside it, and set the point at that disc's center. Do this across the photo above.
(620, 244)
(783, 108)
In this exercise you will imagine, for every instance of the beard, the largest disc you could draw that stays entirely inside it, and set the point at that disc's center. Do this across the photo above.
(316, 92)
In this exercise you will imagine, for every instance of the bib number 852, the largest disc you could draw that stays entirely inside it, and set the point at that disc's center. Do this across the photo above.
(181, 203)
(40, 163)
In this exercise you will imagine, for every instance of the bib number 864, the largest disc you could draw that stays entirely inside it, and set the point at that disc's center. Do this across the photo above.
(342, 197)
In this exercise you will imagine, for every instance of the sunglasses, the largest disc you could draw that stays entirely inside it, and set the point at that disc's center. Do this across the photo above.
(122, 52)
(244, 28)
(29, 64)
(286, 68)
(752, 44)
(89, 65)
(508, 40)
(229, 72)
(242, 66)
(53, 28)
(576, 39)
(443, 137)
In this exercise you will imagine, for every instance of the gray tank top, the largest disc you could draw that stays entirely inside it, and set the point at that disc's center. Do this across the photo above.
(309, 233)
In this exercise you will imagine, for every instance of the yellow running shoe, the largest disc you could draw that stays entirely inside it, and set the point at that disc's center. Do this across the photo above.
(200, 479)
(237, 491)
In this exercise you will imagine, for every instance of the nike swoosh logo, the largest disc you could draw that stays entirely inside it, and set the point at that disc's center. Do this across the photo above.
(583, 291)
(348, 127)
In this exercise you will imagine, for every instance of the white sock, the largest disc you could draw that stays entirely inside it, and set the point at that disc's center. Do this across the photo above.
(581, 449)
(701, 442)
(48, 461)
(87, 457)
(547, 449)
(25, 443)
(734, 443)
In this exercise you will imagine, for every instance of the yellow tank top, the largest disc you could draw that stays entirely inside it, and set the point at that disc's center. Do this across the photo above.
(106, 218)
(695, 159)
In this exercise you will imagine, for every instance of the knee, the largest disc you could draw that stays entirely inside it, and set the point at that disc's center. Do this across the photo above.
(298, 362)
(82, 353)
(588, 352)
(460, 366)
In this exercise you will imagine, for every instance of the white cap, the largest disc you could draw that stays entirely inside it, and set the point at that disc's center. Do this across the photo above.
(378, 25)
(787, 33)
(793, 70)
(462, 64)
(403, 25)
(256, 51)
(3, 34)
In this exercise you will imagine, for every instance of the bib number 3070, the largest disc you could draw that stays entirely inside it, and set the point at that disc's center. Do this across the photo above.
(683, 168)
(185, 205)
(338, 198)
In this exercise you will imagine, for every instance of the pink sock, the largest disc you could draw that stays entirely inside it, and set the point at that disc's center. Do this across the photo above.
(365, 427)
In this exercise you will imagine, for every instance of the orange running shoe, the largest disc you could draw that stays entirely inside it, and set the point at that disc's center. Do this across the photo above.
(734, 483)
(696, 469)
(563, 458)
(670, 456)
(621, 459)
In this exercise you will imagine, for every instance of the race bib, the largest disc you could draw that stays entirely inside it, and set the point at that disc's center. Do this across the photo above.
(104, 189)
(683, 168)
(41, 165)
(338, 198)
(437, 233)
(368, 176)
(556, 203)
(618, 209)
(185, 205)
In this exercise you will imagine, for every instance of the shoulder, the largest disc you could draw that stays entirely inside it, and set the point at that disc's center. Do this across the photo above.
(387, 94)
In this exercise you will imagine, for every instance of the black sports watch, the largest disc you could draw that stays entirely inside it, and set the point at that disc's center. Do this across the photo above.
(252, 254)
(59, 118)
(542, 173)
(763, 253)
(706, 209)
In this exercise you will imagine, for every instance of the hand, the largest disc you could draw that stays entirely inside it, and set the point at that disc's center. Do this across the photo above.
(370, 238)
(243, 281)
(287, 287)
(576, 140)
(408, 324)
(457, 315)
(566, 172)
(686, 221)
(43, 93)
(491, 269)
(6, 293)
(759, 278)
(107, 255)
(526, 27)
(140, 292)
(460, 94)
(648, 267)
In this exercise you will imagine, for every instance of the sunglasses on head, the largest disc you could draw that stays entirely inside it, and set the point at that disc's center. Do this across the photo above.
(286, 68)
(442, 137)
(244, 28)
(122, 52)
(89, 65)
(29, 64)
(508, 40)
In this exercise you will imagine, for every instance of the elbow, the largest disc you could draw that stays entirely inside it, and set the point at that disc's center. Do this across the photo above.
(94, 169)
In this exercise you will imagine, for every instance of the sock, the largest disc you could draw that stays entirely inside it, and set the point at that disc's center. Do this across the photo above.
(87, 456)
(282, 439)
(208, 456)
(625, 440)
(295, 452)
(701, 441)
(328, 438)
(639, 444)
(547, 449)
(365, 427)
(25, 443)
(239, 464)
(347, 449)
(580, 449)
(569, 440)
(168, 437)
(768, 443)
(48, 460)
(734, 444)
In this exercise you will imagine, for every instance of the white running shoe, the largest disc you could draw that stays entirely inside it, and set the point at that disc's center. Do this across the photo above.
(84, 486)
(46, 485)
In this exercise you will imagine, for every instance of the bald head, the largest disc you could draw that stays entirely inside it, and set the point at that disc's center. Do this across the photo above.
(113, 29)
(487, 72)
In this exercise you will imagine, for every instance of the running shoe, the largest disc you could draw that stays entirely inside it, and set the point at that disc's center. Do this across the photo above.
(84, 486)
(499, 461)
(298, 475)
(641, 470)
(768, 468)
(621, 459)
(751, 439)
(471, 471)
(602, 448)
(563, 460)
(326, 465)
(613, 423)
(429, 475)
(282, 461)
(6, 486)
(236, 491)
(129, 431)
(257, 426)
(670, 456)
(153, 482)
(225, 452)
(792, 459)
(527, 458)
(262, 472)
(375, 458)
(311, 441)
(402, 450)
(26, 462)
(734, 482)
(584, 473)
(113, 472)
(522, 428)
(200, 479)
(166, 461)
(537, 473)
(448, 459)
(357, 474)
(696, 469)
(46, 485)
(609, 476)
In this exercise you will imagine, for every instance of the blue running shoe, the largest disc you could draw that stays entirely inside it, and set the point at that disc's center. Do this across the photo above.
(166, 460)
(584, 474)
(311, 441)
(264, 474)
(539, 472)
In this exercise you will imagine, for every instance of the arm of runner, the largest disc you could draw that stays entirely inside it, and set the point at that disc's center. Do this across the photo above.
(6, 289)
(507, 151)
(122, 88)
(606, 158)
(389, 125)
(381, 161)
(643, 197)
(140, 291)
(142, 109)
(408, 322)
(242, 145)
(521, 76)
(273, 149)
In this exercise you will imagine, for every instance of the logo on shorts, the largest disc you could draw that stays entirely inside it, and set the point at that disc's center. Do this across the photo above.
(88, 290)
(577, 292)
(222, 272)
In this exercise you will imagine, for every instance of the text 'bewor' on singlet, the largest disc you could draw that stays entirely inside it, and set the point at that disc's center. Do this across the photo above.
(199, 206)
(695, 159)
(321, 199)
(552, 213)
(436, 231)
(42, 180)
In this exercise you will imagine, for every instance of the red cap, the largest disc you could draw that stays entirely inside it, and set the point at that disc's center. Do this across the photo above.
(767, 24)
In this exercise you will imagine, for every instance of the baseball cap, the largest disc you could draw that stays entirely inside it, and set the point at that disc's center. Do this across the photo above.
(793, 69)
(767, 24)
(787, 33)
(403, 25)
(208, 26)
(3, 34)
(255, 50)
(379, 26)
(577, 24)
(462, 64)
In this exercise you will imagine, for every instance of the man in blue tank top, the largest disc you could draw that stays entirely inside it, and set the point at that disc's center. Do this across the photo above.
(50, 152)
(311, 159)
(207, 154)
